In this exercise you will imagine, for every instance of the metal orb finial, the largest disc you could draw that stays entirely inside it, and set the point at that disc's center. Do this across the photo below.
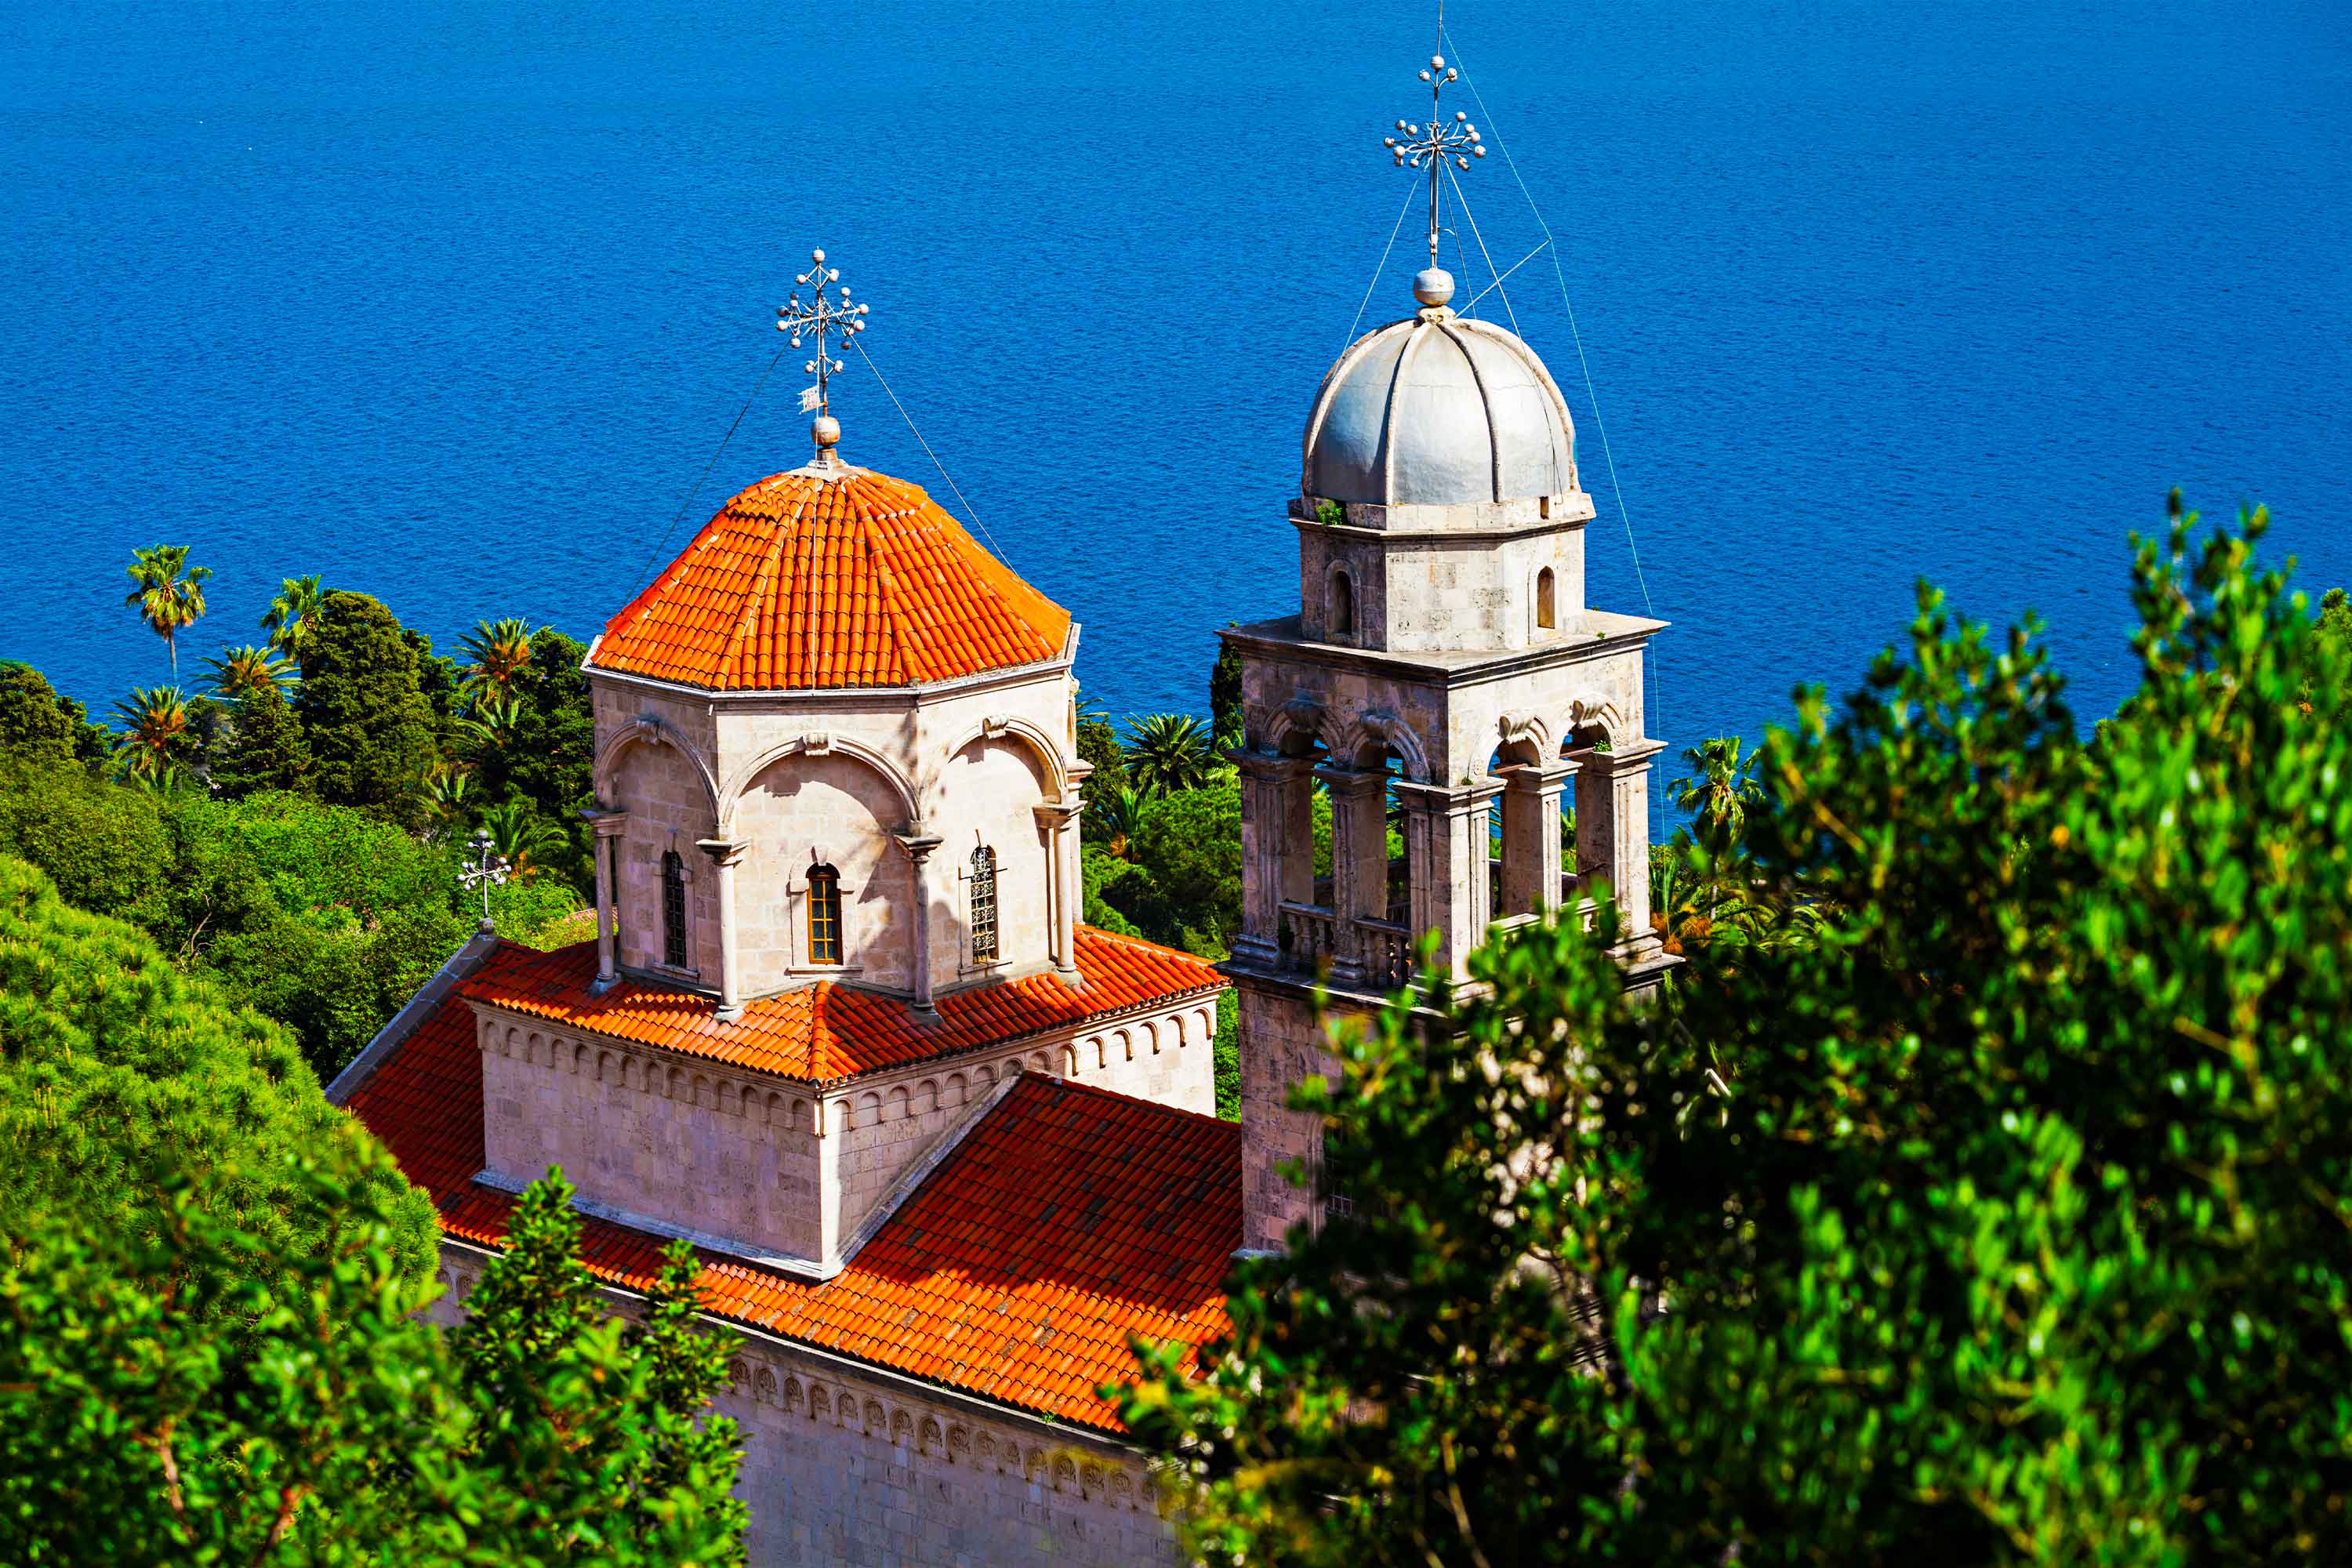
(824, 317)
(1434, 145)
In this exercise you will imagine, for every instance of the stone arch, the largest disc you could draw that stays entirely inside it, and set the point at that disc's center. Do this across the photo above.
(763, 1387)
(1378, 730)
(1125, 1043)
(815, 745)
(1036, 1061)
(1524, 737)
(959, 1443)
(1011, 1066)
(958, 1089)
(1069, 1060)
(1584, 718)
(1040, 745)
(869, 1109)
(926, 1098)
(929, 1440)
(1339, 610)
(983, 1077)
(902, 1428)
(1122, 1490)
(899, 1104)
(646, 729)
(1151, 1036)
(820, 1403)
(793, 1396)
(1295, 729)
(1066, 1474)
(1033, 1469)
(1545, 593)
(702, 1095)
(1090, 1479)
(878, 1421)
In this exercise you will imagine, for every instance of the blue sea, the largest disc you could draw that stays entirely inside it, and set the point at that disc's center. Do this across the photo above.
(454, 303)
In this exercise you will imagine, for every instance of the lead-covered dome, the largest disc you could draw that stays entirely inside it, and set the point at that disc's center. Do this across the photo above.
(1438, 410)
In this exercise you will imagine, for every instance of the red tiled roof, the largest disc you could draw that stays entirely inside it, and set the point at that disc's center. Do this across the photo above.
(831, 580)
(827, 1032)
(1069, 1219)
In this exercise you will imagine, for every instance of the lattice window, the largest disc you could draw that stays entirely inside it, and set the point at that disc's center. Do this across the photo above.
(983, 905)
(824, 915)
(673, 909)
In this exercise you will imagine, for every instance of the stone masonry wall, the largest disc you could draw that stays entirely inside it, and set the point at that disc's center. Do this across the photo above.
(845, 1466)
(1282, 1042)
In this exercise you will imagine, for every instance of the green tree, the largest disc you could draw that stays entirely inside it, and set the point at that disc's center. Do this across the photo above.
(521, 839)
(292, 615)
(1225, 722)
(1187, 848)
(546, 755)
(370, 729)
(1098, 747)
(168, 594)
(1166, 753)
(109, 845)
(266, 750)
(2003, 1222)
(37, 726)
(496, 652)
(595, 1429)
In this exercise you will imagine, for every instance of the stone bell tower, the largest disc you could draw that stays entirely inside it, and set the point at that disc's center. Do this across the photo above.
(1445, 682)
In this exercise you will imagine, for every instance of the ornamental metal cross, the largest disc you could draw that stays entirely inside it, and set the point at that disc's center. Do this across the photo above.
(819, 319)
(1437, 142)
(488, 869)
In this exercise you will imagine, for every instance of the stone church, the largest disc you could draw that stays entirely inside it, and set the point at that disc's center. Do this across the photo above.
(943, 1149)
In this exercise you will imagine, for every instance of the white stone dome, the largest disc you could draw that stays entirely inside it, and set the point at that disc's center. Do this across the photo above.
(1438, 410)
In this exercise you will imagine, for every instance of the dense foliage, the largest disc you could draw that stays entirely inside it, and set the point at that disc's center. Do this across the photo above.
(368, 727)
(201, 1396)
(2003, 1219)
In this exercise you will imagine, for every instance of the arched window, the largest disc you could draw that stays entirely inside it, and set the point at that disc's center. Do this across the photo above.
(673, 909)
(824, 915)
(983, 905)
(1343, 606)
(1546, 614)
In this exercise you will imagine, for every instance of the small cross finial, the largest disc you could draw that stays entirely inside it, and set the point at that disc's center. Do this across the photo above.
(1435, 143)
(825, 316)
(486, 870)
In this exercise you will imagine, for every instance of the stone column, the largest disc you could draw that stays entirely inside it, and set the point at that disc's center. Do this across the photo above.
(726, 854)
(1277, 847)
(1532, 835)
(1446, 834)
(609, 827)
(1063, 890)
(1360, 859)
(919, 846)
(1612, 828)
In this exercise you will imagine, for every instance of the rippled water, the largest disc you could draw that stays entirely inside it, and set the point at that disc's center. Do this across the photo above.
(453, 303)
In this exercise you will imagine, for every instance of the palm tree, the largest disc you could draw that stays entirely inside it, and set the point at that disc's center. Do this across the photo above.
(1169, 752)
(170, 595)
(1719, 796)
(521, 838)
(154, 723)
(293, 613)
(493, 716)
(496, 652)
(239, 672)
(448, 792)
(1116, 819)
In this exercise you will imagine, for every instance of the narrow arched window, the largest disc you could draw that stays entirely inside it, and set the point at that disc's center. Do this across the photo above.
(824, 915)
(673, 909)
(1546, 615)
(983, 905)
(1343, 606)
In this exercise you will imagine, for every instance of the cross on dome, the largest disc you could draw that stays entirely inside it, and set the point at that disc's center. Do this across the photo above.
(1433, 145)
(821, 317)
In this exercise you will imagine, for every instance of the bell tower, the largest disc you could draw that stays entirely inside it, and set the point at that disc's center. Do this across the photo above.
(1443, 682)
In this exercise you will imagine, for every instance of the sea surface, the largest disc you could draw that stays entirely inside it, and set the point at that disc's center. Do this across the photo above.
(454, 303)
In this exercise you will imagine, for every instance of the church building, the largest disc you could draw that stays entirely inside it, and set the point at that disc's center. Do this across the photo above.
(943, 1149)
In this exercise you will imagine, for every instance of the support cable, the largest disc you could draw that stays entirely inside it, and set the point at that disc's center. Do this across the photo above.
(655, 558)
(926, 445)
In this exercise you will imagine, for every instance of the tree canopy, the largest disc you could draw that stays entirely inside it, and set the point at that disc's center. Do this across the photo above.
(2009, 1219)
(369, 726)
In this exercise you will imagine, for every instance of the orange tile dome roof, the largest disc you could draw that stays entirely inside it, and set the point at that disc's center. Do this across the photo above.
(839, 578)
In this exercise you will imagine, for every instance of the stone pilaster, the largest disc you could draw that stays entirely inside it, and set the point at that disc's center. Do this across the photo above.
(1277, 847)
(726, 854)
(1612, 828)
(1531, 837)
(919, 846)
(1059, 818)
(609, 827)
(1447, 837)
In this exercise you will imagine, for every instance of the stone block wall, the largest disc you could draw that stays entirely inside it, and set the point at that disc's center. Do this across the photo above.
(1282, 1042)
(845, 1465)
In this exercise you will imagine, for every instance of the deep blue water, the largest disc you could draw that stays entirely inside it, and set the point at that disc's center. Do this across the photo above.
(452, 303)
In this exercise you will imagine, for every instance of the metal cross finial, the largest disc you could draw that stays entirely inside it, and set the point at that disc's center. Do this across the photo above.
(1435, 143)
(821, 317)
(488, 869)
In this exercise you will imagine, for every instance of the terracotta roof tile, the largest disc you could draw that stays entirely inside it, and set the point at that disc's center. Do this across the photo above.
(849, 579)
(825, 1032)
(986, 1279)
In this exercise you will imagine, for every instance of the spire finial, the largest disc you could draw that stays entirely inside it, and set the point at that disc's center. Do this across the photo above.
(1439, 139)
(821, 317)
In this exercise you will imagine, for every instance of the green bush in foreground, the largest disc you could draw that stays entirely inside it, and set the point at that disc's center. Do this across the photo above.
(2010, 1220)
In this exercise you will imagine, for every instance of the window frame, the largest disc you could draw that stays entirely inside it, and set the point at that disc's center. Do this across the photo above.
(822, 919)
(982, 909)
